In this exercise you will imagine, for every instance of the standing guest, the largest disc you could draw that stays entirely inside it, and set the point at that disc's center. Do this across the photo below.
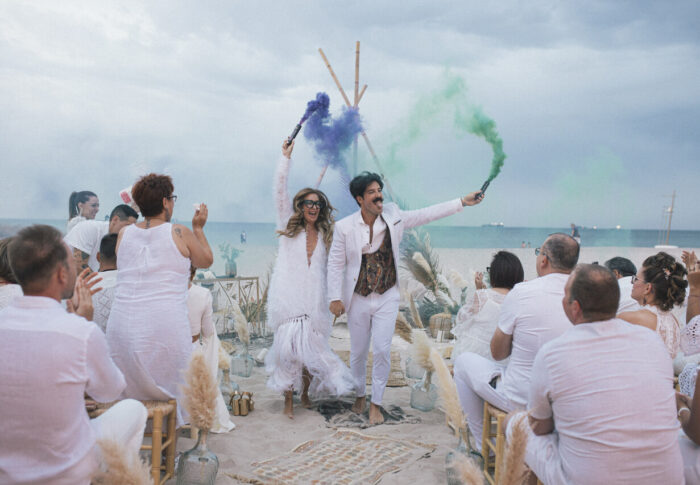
(363, 278)
(601, 401)
(102, 300)
(148, 330)
(300, 358)
(658, 286)
(82, 206)
(575, 233)
(199, 311)
(531, 315)
(51, 359)
(85, 237)
(476, 321)
(624, 270)
(9, 289)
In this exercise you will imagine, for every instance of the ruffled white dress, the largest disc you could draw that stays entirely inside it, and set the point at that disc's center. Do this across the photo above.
(148, 330)
(476, 322)
(298, 312)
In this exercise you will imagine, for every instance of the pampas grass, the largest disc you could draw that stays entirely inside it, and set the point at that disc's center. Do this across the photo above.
(224, 359)
(514, 459)
(116, 467)
(447, 390)
(420, 350)
(228, 347)
(415, 315)
(240, 324)
(456, 279)
(468, 472)
(200, 392)
(403, 329)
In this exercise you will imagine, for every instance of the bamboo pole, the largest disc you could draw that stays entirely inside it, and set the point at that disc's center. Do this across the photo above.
(364, 135)
(361, 93)
(357, 101)
(321, 175)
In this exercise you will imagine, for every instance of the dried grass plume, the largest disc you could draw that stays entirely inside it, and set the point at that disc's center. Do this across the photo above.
(420, 350)
(447, 390)
(415, 315)
(240, 324)
(403, 329)
(117, 468)
(514, 460)
(468, 471)
(200, 392)
(224, 359)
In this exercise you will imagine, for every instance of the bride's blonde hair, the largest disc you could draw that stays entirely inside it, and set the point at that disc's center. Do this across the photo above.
(325, 220)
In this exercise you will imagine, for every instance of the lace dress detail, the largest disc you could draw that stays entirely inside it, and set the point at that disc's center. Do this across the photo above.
(476, 322)
(668, 329)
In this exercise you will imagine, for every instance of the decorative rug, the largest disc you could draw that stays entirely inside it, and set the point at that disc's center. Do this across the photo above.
(347, 457)
(339, 415)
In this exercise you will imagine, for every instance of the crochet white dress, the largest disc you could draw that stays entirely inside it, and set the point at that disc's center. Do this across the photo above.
(476, 323)
(298, 312)
(668, 329)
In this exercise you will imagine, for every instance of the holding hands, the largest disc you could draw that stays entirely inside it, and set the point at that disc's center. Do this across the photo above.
(337, 308)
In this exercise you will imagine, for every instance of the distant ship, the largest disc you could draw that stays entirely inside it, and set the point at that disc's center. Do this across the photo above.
(493, 224)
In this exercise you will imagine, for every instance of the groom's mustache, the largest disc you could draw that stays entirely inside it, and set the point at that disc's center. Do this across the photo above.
(378, 199)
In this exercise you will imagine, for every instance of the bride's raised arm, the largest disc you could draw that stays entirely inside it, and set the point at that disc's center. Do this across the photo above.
(283, 202)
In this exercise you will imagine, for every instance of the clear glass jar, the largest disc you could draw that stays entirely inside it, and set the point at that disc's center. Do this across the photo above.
(198, 466)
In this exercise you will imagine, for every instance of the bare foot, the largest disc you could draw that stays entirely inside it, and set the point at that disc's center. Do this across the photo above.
(375, 414)
(288, 405)
(359, 406)
(305, 401)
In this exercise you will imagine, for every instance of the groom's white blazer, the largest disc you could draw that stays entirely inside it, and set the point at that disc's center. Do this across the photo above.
(345, 255)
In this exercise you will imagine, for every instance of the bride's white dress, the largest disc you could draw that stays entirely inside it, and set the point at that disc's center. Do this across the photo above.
(298, 312)
(476, 323)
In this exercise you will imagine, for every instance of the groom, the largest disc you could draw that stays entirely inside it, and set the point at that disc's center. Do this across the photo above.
(362, 277)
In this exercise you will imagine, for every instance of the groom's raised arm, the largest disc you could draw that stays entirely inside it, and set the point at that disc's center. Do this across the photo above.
(336, 266)
(432, 213)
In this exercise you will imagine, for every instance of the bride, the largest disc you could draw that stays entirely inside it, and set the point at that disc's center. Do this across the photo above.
(300, 358)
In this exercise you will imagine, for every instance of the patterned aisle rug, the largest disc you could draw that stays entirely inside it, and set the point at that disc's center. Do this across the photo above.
(346, 457)
(339, 415)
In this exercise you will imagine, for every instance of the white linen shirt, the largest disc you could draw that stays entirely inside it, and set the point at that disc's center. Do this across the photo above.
(86, 236)
(532, 313)
(50, 359)
(609, 387)
(102, 300)
(199, 311)
(378, 230)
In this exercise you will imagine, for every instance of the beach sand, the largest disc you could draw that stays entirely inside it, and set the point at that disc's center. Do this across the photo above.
(266, 432)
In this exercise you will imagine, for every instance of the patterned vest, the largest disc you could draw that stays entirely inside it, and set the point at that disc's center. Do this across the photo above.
(377, 272)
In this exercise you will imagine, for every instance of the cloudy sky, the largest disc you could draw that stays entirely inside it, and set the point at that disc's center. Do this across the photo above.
(597, 103)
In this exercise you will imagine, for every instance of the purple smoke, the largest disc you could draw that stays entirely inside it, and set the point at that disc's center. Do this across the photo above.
(332, 136)
(321, 101)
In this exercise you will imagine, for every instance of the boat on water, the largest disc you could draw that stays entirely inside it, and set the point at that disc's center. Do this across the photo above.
(493, 224)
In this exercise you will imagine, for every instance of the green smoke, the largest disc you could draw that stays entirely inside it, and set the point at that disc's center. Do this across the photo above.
(450, 99)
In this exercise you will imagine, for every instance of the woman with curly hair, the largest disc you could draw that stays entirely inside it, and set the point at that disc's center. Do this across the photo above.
(300, 358)
(148, 330)
(658, 286)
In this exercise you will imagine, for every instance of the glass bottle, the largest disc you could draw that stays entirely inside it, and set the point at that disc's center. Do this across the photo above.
(198, 466)
(424, 394)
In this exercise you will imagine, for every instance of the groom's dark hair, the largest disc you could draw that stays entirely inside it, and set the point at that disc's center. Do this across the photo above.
(359, 184)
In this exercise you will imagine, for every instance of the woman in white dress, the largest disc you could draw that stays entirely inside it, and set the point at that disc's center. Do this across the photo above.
(477, 319)
(658, 286)
(9, 289)
(82, 206)
(199, 310)
(300, 358)
(148, 329)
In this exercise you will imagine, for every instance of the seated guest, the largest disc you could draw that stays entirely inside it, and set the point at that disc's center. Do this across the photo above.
(531, 315)
(601, 400)
(477, 319)
(102, 300)
(86, 236)
(9, 289)
(199, 309)
(50, 360)
(689, 440)
(624, 270)
(148, 330)
(659, 286)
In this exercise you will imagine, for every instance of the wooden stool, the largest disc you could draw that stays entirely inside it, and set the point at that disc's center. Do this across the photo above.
(493, 429)
(162, 441)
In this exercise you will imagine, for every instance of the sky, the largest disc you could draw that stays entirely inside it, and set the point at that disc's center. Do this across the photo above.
(597, 103)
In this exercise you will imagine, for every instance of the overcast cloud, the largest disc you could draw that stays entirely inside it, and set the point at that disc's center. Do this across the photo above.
(597, 103)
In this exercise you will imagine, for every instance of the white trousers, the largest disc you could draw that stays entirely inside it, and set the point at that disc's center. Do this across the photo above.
(124, 423)
(372, 317)
(473, 374)
(691, 459)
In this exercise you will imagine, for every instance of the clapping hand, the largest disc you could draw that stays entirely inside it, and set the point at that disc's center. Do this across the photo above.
(479, 280)
(200, 217)
(81, 302)
(690, 260)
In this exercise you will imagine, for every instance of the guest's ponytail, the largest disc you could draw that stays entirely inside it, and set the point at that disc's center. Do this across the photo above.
(78, 198)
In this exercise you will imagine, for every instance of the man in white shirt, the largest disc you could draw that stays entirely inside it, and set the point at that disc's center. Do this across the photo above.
(531, 315)
(85, 237)
(363, 278)
(624, 270)
(50, 360)
(102, 300)
(602, 408)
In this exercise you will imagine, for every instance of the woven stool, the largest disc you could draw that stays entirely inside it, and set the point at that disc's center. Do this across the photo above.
(441, 321)
(493, 430)
(162, 441)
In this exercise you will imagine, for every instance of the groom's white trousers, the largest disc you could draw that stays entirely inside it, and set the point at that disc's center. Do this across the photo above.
(372, 316)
